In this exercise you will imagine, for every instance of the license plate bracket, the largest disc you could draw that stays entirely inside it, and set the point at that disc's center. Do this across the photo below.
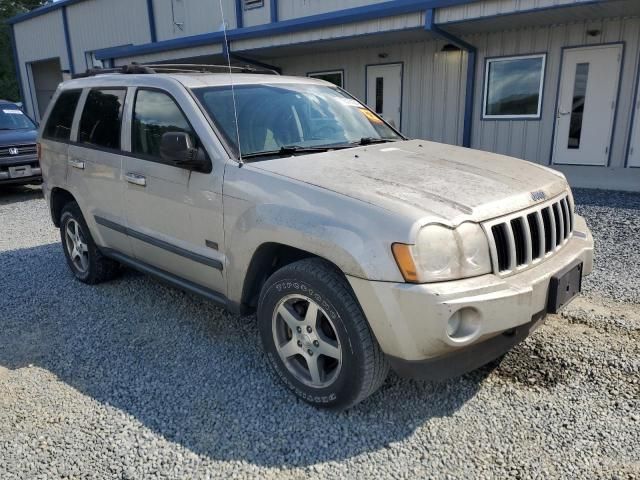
(19, 172)
(564, 287)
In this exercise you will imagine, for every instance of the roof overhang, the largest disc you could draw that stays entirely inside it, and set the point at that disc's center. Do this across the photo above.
(544, 16)
(340, 17)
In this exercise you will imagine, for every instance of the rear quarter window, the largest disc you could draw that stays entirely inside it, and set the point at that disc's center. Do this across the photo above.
(58, 125)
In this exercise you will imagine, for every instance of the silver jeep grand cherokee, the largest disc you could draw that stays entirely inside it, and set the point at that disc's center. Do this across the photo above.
(358, 248)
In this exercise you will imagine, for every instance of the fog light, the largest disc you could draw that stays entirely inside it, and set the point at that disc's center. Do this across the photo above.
(464, 325)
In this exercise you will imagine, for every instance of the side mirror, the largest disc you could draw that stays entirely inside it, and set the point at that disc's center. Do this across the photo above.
(178, 149)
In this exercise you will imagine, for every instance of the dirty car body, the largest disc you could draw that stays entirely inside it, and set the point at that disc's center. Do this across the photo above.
(432, 258)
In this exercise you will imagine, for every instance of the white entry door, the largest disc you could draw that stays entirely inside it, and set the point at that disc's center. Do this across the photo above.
(587, 105)
(384, 91)
(634, 147)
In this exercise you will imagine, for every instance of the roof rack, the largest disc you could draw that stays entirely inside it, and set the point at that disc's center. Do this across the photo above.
(137, 69)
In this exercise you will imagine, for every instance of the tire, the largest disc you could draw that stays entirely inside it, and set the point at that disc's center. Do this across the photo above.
(87, 264)
(350, 363)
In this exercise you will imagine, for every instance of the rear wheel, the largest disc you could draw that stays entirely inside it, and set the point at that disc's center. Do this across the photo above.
(84, 258)
(316, 336)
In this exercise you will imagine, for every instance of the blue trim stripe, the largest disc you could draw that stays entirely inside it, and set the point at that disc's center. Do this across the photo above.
(16, 63)
(472, 53)
(67, 39)
(151, 15)
(274, 11)
(350, 15)
(239, 15)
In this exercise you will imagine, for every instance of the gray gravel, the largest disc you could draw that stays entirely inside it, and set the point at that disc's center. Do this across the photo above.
(132, 379)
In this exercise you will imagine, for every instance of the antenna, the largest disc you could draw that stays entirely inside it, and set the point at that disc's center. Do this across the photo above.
(233, 92)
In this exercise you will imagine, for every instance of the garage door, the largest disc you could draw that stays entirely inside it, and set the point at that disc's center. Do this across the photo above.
(46, 76)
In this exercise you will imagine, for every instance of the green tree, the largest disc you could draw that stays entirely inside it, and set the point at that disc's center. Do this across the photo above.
(8, 82)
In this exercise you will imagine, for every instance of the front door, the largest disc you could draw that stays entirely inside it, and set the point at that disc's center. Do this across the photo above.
(384, 91)
(587, 104)
(174, 215)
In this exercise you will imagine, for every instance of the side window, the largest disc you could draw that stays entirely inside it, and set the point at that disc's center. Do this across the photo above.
(154, 114)
(101, 118)
(61, 118)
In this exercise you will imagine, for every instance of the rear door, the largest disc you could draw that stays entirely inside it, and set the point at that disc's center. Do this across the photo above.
(174, 215)
(56, 134)
(95, 165)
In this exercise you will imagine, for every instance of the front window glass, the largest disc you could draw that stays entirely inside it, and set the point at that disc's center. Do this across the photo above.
(154, 114)
(12, 118)
(101, 118)
(275, 116)
(514, 87)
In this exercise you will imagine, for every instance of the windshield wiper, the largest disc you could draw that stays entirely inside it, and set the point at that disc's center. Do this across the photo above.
(372, 140)
(287, 150)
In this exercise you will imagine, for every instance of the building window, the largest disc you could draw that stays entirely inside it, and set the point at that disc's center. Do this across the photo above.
(513, 87)
(250, 4)
(335, 76)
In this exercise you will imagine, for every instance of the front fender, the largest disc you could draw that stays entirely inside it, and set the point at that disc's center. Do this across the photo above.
(263, 208)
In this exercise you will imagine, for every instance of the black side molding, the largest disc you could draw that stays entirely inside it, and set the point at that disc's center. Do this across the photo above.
(169, 278)
(196, 257)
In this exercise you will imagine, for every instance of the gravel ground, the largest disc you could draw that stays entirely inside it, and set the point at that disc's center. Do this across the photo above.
(132, 379)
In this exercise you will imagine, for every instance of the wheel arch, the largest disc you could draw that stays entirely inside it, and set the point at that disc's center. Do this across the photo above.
(59, 198)
(266, 260)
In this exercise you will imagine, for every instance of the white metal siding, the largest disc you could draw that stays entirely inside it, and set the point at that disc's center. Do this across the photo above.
(488, 8)
(39, 38)
(389, 24)
(432, 104)
(302, 8)
(532, 140)
(177, 55)
(100, 24)
(200, 16)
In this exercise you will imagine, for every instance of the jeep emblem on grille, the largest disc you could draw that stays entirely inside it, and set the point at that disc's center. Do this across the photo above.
(538, 195)
(14, 151)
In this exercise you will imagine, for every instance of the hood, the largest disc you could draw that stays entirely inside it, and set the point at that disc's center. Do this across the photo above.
(446, 183)
(17, 137)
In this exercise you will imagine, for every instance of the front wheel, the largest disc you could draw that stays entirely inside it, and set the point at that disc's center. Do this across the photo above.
(317, 338)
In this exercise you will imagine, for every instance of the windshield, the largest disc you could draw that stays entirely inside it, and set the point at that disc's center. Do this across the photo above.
(276, 117)
(12, 118)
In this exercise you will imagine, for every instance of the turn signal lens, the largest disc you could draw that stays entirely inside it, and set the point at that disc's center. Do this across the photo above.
(404, 259)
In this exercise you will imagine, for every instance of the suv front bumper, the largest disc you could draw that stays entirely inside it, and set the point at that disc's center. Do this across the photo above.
(413, 323)
(20, 169)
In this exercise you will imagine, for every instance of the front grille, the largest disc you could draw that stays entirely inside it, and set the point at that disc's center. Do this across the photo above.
(5, 150)
(520, 240)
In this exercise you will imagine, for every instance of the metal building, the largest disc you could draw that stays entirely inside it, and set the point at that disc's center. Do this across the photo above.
(551, 81)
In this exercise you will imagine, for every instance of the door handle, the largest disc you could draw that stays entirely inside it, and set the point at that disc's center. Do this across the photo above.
(136, 179)
(561, 113)
(79, 164)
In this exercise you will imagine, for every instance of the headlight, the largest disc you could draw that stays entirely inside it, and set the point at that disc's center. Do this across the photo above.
(442, 253)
